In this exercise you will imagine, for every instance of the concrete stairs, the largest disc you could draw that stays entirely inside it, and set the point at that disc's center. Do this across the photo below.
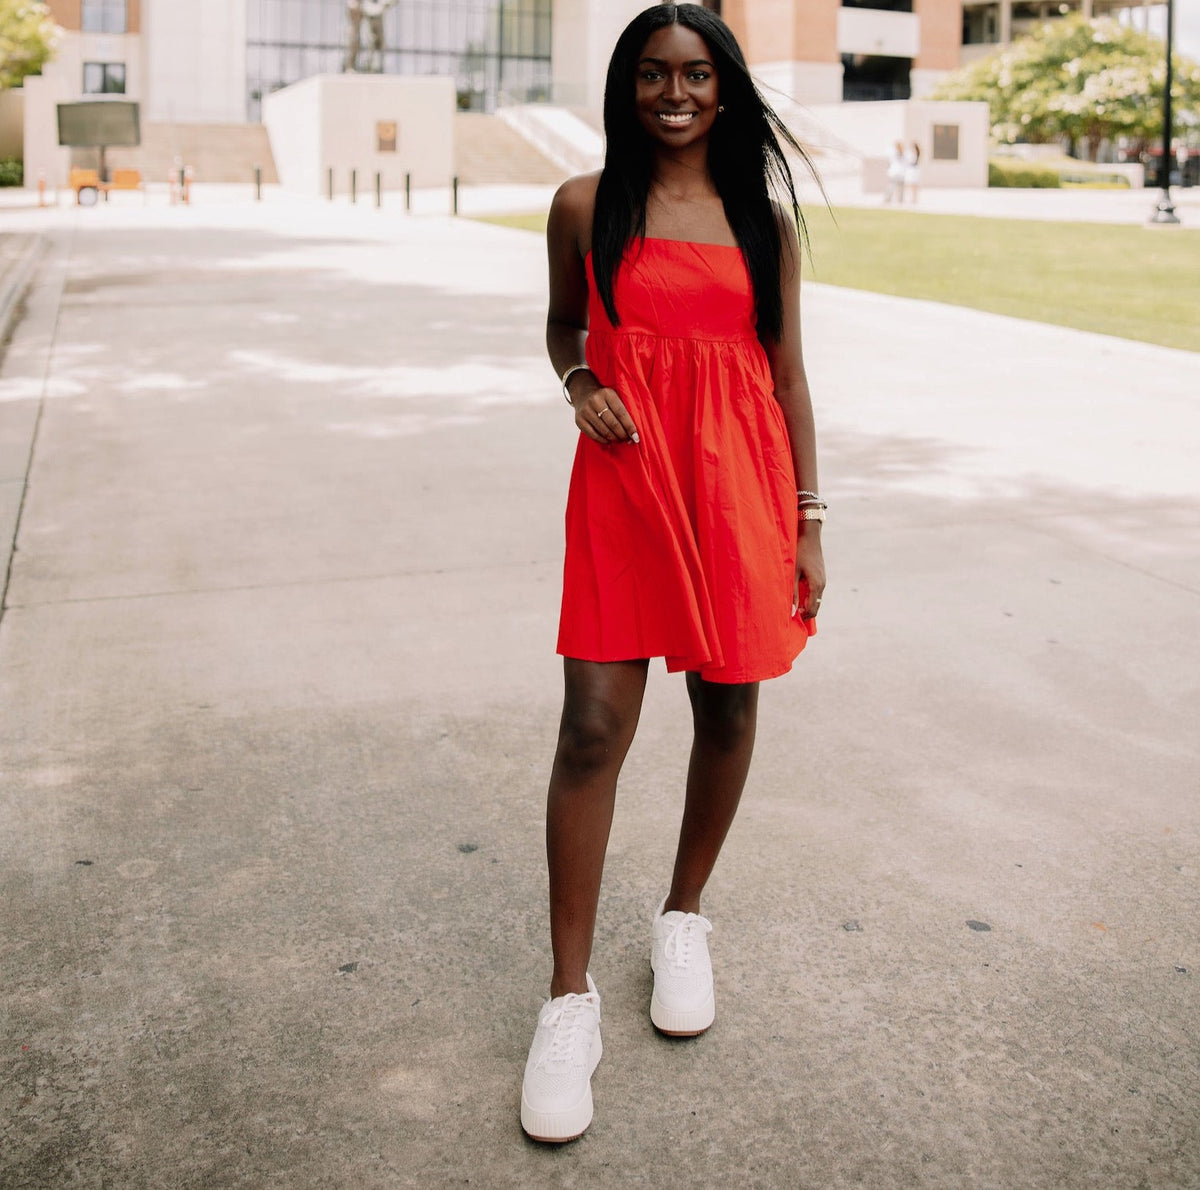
(558, 133)
(216, 152)
(488, 152)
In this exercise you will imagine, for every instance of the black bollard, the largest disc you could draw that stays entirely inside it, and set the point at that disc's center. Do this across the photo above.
(408, 192)
(329, 184)
(454, 191)
(378, 190)
(354, 185)
(258, 183)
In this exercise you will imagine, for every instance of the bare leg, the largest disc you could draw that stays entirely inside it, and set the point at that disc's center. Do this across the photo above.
(725, 718)
(601, 705)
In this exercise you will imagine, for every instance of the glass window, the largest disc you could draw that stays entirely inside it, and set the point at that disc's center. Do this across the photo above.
(287, 40)
(104, 78)
(885, 5)
(103, 16)
(981, 25)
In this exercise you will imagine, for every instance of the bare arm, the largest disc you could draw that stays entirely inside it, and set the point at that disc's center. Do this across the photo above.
(599, 411)
(791, 391)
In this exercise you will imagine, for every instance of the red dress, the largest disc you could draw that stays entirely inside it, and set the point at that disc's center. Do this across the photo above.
(684, 545)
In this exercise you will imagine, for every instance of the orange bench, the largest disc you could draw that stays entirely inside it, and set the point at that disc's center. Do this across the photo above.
(126, 179)
(86, 182)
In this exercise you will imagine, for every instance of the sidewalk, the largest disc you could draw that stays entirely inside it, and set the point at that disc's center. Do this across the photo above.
(280, 697)
(1091, 206)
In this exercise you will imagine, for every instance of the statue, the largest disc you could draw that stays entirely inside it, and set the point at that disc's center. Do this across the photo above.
(371, 11)
(354, 15)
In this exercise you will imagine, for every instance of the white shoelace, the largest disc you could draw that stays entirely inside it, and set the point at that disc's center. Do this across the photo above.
(682, 938)
(567, 1021)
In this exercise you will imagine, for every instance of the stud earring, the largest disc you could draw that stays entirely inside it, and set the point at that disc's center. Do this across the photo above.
(720, 108)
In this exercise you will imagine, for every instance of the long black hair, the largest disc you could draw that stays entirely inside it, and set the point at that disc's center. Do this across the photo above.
(745, 160)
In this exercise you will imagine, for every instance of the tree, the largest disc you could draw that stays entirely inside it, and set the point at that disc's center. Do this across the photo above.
(27, 40)
(1079, 80)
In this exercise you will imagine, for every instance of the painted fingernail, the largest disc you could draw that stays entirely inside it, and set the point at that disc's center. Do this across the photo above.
(635, 437)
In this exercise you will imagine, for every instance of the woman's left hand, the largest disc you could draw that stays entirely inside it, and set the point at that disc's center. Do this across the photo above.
(810, 574)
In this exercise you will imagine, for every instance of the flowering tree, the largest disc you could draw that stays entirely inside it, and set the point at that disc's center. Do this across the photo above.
(27, 40)
(1085, 81)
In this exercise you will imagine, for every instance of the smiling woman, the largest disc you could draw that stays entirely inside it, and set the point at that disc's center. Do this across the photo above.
(693, 520)
(677, 94)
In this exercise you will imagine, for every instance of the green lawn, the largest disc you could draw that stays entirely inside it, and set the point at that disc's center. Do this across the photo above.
(1135, 282)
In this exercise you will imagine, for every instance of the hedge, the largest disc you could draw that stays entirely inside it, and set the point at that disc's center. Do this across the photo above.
(12, 171)
(1009, 172)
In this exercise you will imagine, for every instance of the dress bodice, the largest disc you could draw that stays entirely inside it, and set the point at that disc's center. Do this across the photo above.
(678, 289)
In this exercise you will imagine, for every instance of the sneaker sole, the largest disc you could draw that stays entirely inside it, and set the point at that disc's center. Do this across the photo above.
(689, 1022)
(556, 1128)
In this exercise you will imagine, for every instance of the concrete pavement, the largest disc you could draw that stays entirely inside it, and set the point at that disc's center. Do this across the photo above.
(280, 697)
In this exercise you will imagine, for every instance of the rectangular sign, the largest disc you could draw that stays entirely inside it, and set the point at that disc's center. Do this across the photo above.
(386, 132)
(94, 122)
(945, 142)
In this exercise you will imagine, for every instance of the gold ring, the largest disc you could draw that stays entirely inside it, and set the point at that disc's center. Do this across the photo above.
(602, 411)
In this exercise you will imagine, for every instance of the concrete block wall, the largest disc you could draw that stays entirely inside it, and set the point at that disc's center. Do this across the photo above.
(331, 121)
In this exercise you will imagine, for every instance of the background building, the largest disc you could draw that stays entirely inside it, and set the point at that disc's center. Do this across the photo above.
(200, 68)
(212, 61)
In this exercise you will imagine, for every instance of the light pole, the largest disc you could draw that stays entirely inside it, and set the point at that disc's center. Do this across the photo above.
(1165, 211)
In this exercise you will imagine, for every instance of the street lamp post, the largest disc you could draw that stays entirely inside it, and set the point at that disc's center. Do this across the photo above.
(1165, 211)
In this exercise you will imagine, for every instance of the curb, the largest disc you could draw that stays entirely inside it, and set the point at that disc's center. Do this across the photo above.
(17, 263)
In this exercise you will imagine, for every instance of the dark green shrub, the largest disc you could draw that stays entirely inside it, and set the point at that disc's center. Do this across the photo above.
(12, 171)
(1005, 171)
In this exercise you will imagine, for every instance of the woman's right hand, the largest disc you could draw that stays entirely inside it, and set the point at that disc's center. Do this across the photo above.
(602, 416)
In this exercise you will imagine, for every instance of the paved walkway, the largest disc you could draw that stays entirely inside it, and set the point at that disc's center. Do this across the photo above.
(280, 696)
(1088, 206)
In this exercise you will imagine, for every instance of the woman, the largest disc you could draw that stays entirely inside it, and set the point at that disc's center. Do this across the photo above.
(897, 166)
(693, 523)
(912, 172)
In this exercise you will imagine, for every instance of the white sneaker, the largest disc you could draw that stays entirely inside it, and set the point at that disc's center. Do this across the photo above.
(556, 1096)
(683, 1003)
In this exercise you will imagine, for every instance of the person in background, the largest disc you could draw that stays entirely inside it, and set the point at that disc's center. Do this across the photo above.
(895, 174)
(912, 173)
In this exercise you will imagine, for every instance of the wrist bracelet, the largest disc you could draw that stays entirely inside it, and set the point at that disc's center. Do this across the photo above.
(812, 514)
(566, 379)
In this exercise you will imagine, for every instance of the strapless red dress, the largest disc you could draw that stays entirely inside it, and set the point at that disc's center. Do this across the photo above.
(684, 546)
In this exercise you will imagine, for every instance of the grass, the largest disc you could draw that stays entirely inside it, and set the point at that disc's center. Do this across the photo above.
(1129, 281)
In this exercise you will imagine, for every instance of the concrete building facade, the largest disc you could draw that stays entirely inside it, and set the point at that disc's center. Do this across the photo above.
(212, 63)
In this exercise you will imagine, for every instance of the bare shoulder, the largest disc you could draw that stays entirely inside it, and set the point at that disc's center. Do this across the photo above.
(578, 194)
(572, 208)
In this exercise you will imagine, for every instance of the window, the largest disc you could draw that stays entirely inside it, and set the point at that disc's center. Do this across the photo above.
(104, 78)
(981, 25)
(493, 48)
(103, 16)
(867, 77)
(884, 5)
